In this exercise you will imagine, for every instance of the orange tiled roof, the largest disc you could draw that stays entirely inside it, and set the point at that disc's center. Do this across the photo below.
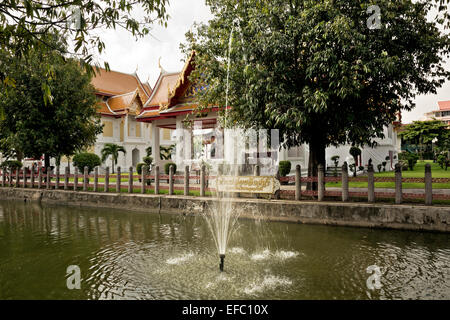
(118, 105)
(122, 101)
(117, 83)
(444, 105)
(160, 93)
(103, 108)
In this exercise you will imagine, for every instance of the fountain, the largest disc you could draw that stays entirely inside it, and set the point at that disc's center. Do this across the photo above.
(222, 218)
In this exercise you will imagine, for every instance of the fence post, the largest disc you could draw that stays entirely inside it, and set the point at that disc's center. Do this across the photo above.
(75, 179)
(17, 177)
(370, 184)
(57, 178)
(47, 183)
(32, 177)
(398, 183)
(156, 179)
(130, 180)
(256, 173)
(202, 181)
(428, 185)
(320, 182)
(143, 180)
(344, 182)
(106, 185)
(186, 180)
(39, 177)
(66, 178)
(118, 178)
(24, 177)
(170, 180)
(85, 178)
(298, 182)
(3, 177)
(96, 179)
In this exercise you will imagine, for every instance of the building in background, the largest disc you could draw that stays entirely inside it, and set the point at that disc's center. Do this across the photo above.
(121, 98)
(443, 112)
(199, 133)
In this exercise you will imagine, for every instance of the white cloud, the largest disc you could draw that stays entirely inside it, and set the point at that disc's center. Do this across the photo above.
(125, 53)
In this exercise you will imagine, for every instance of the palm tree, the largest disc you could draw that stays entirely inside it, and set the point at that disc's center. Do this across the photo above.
(111, 149)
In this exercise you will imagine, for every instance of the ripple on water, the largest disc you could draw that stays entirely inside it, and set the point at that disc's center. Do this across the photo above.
(279, 254)
(180, 259)
(268, 283)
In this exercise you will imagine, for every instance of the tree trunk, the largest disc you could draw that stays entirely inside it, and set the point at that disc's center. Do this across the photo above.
(316, 157)
(19, 156)
(112, 162)
(46, 162)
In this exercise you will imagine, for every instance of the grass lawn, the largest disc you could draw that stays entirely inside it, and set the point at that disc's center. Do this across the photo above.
(418, 172)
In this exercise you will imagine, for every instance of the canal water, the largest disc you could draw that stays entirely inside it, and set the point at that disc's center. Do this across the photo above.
(131, 255)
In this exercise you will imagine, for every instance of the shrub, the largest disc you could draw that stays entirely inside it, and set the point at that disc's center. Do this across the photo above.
(410, 157)
(384, 165)
(379, 166)
(139, 167)
(404, 165)
(90, 160)
(335, 159)
(361, 168)
(11, 164)
(147, 160)
(443, 161)
(167, 166)
(284, 168)
(355, 152)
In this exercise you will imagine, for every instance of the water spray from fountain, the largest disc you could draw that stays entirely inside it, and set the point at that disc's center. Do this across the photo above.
(222, 218)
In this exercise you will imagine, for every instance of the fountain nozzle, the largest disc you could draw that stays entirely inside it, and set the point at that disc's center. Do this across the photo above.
(222, 258)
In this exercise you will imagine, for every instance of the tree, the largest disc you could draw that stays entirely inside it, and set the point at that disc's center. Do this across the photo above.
(33, 126)
(26, 24)
(314, 69)
(86, 159)
(112, 149)
(425, 133)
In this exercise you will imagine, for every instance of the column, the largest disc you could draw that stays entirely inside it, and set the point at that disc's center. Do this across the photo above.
(320, 182)
(398, 183)
(106, 185)
(428, 185)
(130, 180)
(156, 179)
(370, 184)
(186, 180)
(298, 182)
(96, 179)
(344, 182)
(155, 145)
(118, 178)
(170, 180)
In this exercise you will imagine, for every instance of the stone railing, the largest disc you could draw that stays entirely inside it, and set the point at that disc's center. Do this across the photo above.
(201, 185)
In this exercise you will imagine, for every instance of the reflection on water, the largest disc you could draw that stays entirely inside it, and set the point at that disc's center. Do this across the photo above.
(127, 255)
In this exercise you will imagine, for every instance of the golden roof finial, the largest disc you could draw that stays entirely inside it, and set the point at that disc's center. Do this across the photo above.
(160, 67)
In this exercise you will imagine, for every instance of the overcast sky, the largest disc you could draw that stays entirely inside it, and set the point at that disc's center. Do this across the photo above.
(125, 53)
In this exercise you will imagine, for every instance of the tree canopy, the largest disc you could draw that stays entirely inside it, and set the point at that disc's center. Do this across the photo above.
(32, 125)
(25, 24)
(424, 133)
(315, 70)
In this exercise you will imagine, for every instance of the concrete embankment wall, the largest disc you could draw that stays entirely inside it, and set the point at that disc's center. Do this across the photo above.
(406, 217)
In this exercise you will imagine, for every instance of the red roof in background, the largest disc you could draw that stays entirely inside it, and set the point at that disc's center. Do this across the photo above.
(444, 105)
